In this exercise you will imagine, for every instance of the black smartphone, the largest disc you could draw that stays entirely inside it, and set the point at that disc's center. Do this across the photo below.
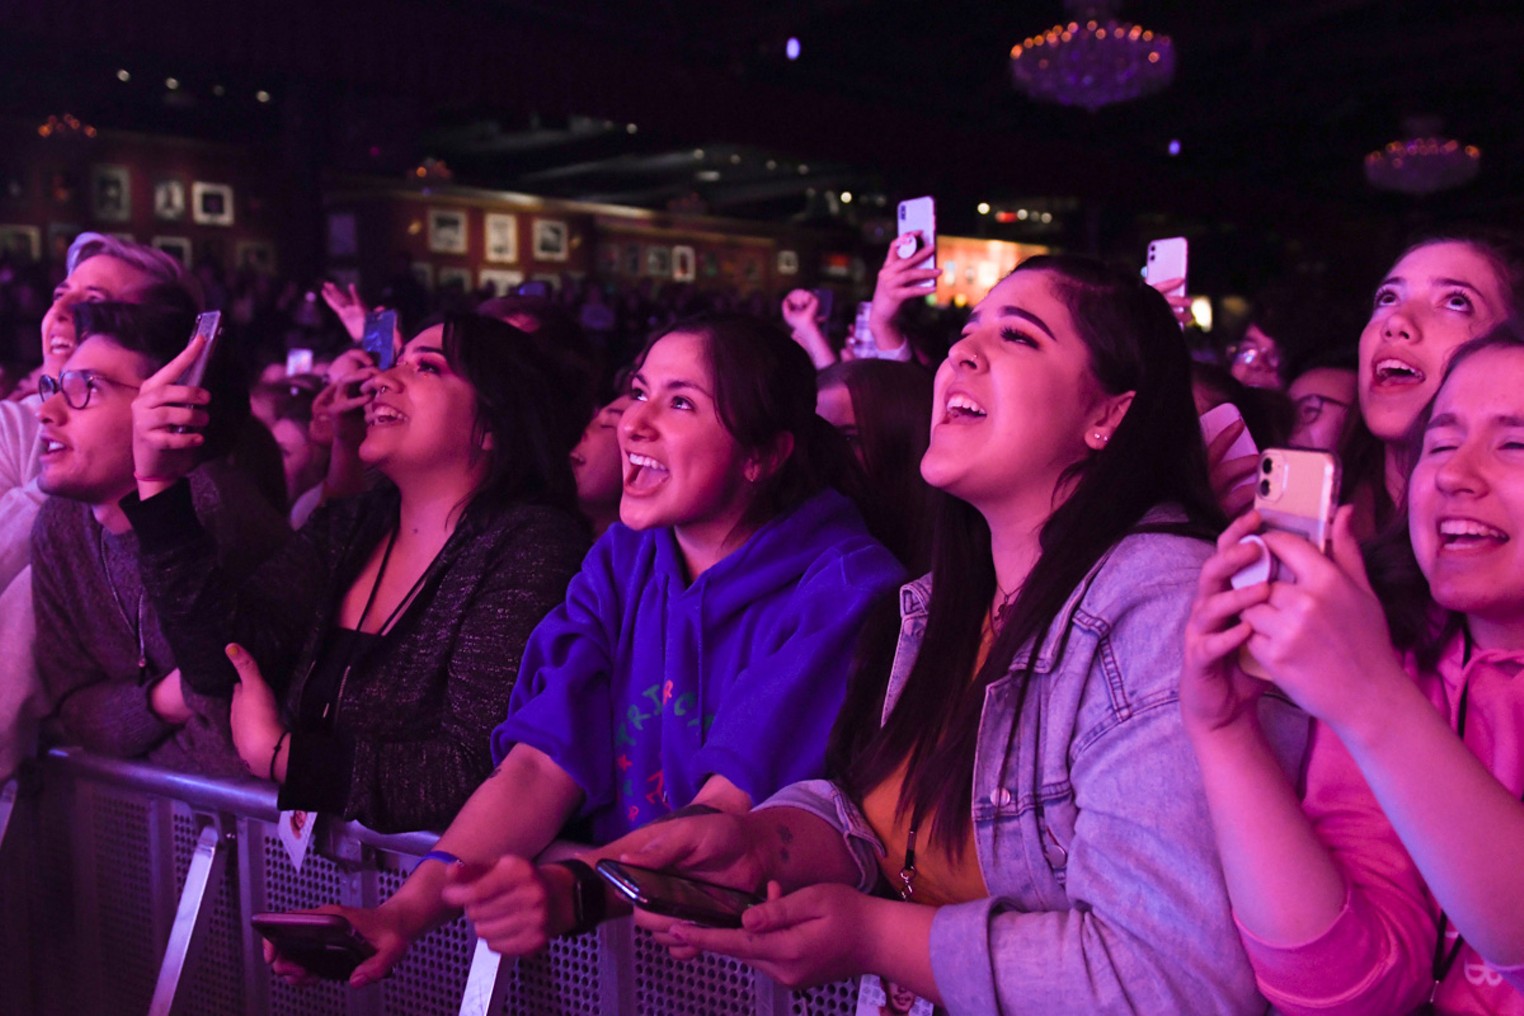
(325, 944)
(825, 302)
(688, 899)
(380, 337)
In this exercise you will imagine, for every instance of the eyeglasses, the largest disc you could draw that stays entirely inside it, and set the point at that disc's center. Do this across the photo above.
(77, 386)
(1248, 356)
(1310, 407)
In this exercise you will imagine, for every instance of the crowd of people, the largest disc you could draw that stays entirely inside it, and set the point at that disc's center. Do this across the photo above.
(953, 654)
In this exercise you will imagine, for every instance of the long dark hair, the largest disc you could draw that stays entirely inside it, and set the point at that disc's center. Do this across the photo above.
(764, 387)
(518, 402)
(892, 404)
(1417, 623)
(1155, 456)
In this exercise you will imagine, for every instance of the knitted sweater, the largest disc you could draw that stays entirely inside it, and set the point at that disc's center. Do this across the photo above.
(94, 619)
(408, 741)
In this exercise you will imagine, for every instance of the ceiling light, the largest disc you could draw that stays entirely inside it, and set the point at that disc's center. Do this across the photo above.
(791, 48)
(984, 208)
(123, 75)
(1424, 162)
(1094, 60)
(846, 197)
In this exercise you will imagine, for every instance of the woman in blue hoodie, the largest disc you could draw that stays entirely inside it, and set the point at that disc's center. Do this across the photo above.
(699, 659)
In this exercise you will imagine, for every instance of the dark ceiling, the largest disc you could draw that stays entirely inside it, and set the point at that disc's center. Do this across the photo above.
(693, 101)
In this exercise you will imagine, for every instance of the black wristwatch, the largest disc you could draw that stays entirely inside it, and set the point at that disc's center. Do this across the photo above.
(588, 902)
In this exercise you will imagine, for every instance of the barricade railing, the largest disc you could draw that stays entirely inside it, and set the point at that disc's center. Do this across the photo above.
(126, 888)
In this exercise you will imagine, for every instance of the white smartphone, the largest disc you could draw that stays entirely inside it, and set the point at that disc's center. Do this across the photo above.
(1216, 420)
(298, 361)
(1167, 260)
(919, 215)
(209, 327)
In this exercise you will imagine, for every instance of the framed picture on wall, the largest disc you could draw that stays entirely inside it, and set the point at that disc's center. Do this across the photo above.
(453, 276)
(211, 204)
(423, 271)
(60, 236)
(659, 262)
(684, 268)
(502, 237)
(552, 241)
(111, 193)
(447, 233)
(22, 243)
(177, 247)
(256, 255)
(788, 262)
(169, 200)
(502, 280)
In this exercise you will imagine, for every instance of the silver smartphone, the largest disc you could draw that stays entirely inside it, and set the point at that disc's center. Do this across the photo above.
(919, 215)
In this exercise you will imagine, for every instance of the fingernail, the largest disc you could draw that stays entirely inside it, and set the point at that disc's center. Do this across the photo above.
(233, 651)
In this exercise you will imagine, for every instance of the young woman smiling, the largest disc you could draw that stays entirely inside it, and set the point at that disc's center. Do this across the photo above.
(1022, 783)
(1399, 877)
(393, 622)
(700, 655)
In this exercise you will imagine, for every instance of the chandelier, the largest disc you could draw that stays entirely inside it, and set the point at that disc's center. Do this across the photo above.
(1424, 162)
(1094, 60)
(67, 126)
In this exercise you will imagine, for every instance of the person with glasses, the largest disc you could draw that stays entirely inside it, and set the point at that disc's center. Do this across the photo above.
(99, 268)
(1256, 359)
(108, 674)
(1322, 396)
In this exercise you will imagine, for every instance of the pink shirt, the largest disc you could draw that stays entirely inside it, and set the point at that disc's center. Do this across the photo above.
(1377, 956)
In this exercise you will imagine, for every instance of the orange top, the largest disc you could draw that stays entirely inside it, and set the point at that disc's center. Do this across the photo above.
(939, 877)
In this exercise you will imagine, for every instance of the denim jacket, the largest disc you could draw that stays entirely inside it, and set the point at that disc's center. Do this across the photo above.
(1090, 823)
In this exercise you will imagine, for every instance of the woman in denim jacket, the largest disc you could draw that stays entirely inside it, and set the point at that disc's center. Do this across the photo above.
(1028, 794)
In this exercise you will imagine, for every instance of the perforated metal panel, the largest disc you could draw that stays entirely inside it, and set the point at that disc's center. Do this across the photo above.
(123, 895)
(703, 986)
(836, 999)
(318, 883)
(563, 980)
(432, 976)
(213, 985)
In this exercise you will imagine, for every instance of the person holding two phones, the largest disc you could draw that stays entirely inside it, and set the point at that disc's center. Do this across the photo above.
(1398, 878)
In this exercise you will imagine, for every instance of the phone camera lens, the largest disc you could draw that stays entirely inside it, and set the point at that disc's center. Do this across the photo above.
(1265, 466)
(1264, 488)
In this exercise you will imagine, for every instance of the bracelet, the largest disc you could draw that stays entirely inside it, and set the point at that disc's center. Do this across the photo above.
(154, 479)
(588, 902)
(442, 856)
(275, 755)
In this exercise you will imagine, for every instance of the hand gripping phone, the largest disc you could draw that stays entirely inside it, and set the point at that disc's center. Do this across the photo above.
(325, 944)
(1167, 260)
(208, 327)
(688, 899)
(918, 215)
(1297, 492)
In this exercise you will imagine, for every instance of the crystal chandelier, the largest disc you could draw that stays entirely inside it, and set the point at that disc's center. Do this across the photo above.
(1094, 60)
(1423, 162)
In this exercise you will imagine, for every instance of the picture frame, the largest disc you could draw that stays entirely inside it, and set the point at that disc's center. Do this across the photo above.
(788, 262)
(211, 204)
(502, 231)
(453, 275)
(447, 234)
(169, 200)
(659, 262)
(177, 247)
(684, 264)
(552, 240)
(423, 272)
(257, 255)
(110, 193)
(60, 237)
(21, 242)
(502, 280)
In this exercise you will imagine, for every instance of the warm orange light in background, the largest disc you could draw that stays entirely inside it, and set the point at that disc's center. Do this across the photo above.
(971, 267)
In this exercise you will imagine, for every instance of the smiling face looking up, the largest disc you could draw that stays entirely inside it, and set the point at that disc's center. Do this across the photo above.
(1437, 296)
(102, 277)
(422, 419)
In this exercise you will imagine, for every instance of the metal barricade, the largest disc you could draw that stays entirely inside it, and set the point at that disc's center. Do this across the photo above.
(126, 888)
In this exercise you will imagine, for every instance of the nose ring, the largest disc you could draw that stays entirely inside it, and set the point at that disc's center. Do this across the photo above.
(382, 389)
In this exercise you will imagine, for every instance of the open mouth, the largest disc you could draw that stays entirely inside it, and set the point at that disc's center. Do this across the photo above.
(962, 408)
(59, 346)
(1392, 372)
(643, 473)
(1469, 534)
(51, 447)
(383, 416)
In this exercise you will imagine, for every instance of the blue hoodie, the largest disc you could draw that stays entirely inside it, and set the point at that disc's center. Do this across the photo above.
(642, 685)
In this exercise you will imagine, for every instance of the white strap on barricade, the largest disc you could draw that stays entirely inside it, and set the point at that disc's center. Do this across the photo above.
(8, 792)
(481, 981)
(191, 917)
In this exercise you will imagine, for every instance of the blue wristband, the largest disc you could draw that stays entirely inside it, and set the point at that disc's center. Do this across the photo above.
(442, 856)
